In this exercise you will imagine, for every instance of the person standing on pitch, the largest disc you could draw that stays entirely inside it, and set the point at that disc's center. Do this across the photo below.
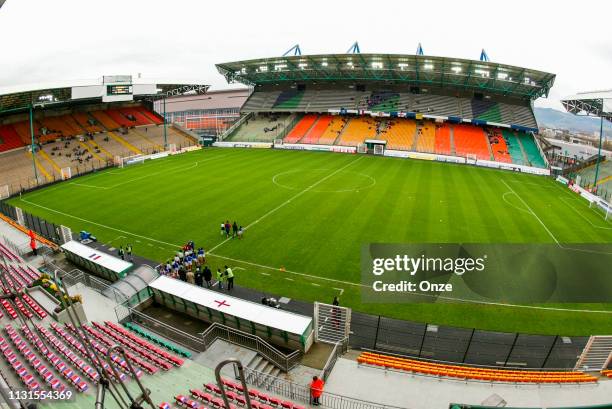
(220, 278)
(229, 274)
(234, 229)
(128, 250)
(198, 277)
(207, 276)
(121, 253)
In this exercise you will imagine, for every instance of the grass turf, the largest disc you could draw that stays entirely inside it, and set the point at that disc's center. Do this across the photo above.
(310, 212)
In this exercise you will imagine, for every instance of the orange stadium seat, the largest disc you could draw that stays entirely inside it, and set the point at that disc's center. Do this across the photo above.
(118, 117)
(105, 120)
(301, 128)
(334, 129)
(317, 130)
(157, 119)
(82, 119)
(140, 118)
(471, 140)
(399, 134)
(358, 130)
(9, 138)
(443, 142)
(472, 372)
(499, 146)
(426, 138)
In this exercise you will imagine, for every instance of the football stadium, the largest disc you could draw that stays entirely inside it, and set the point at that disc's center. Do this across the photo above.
(346, 230)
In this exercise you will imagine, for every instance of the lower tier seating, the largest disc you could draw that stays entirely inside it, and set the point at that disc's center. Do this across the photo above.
(443, 140)
(358, 130)
(531, 150)
(317, 130)
(301, 128)
(334, 129)
(399, 134)
(471, 140)
(472, 372)
(514, 147)
(499, 146)
(426, 138)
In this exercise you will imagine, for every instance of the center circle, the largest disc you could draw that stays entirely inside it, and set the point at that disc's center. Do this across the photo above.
(342, 182)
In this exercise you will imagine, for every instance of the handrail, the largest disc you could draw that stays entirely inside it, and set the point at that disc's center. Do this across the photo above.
(229, 131)
(284, 362)
(338, 350)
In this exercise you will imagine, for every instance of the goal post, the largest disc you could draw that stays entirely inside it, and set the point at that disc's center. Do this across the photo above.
(66, 173)
(123, 161)
(602, 206)
(379, 149)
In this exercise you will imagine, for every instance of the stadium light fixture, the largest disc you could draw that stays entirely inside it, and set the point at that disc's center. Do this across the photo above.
(481, 72)
(502, 76)
(324, 64)
(280, 67)
(263, 68)
(428, 67)
(303, 65)
(402, 66)
(377, 65)
(456, 69)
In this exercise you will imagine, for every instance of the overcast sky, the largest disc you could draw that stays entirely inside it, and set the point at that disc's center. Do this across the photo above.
(48, 40)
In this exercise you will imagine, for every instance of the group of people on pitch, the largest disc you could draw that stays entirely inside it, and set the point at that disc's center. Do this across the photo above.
(231, 230)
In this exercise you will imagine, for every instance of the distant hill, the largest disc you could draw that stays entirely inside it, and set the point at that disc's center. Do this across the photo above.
(552, 118)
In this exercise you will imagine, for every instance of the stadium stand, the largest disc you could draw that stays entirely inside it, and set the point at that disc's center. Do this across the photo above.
(105, 120)
(318, 129)
(531, 150)
(514, 148)
(426, 137)
(9, 138)
(499, 146)
(387, 101)
(471, 372)
(301, 128)
(486, 110)
(471, 140)
(88, 123)
(359, 129)
(400, 134)
(261, 128)
(289, 99)
(443, 140)
(334, 130)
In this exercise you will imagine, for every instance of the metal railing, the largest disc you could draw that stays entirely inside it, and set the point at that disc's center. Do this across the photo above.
(339, 349)
(229, 131)
(190, 341)
(301, 393)
(282, 361)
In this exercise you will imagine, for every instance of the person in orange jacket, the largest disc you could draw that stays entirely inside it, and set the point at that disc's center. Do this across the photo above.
(316, 390)
(32, 242)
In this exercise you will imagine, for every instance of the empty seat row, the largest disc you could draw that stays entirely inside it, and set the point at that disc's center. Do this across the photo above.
(85, 368)
(146, 354)
(137, 329)
(49, 356)
(474, 373)
(175, 360)
(11, 358)
(102, 350)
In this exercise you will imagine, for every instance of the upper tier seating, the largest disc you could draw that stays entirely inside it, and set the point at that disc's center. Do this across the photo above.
(9, 138)
(499, 146)
(400, 134)
(471, 140)
(486, 110)
(289, 99)
(385, 101)
(106, 121)
(117, 116)
(333, 130)
(317, 130)
(472, 372)
(301, 128)
(443, 141)
(358, 130)
(531, 150)
(426, 137)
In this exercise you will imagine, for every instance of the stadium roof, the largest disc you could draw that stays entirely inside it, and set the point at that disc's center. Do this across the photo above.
(417, 70)
(19, 97)
(596, 103)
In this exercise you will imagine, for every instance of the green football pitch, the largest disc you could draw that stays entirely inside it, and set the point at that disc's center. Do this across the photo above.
(307, 215)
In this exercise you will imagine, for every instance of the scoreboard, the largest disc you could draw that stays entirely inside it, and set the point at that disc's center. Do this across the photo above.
(119, 90)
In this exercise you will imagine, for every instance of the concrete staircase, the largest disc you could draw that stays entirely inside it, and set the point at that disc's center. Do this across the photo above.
(597, 353)
(268, 372)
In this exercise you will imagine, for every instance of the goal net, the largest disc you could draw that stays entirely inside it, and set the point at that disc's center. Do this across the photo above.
(172, 147)
(362, 148)
(278, 142)
(379, 150)
(66, 173)
(123, 161)
(603, 207)
(4, 192)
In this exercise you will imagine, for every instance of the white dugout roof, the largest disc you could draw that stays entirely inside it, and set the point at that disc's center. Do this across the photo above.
(247, 310)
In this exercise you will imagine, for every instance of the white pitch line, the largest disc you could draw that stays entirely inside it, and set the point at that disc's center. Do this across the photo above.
(532, 212)
(340, 289)
(286, 202)
(99, 224)
(498, 304)
(316, 285)
(581, 215)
